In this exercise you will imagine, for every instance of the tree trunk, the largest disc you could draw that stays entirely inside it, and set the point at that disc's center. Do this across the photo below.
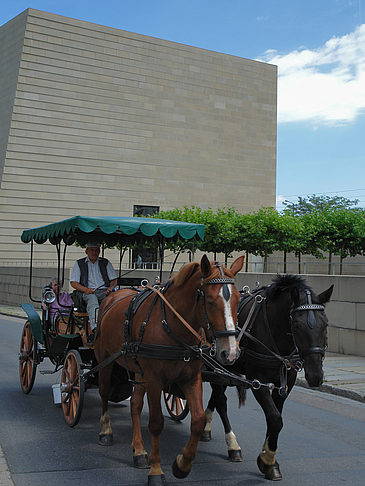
(299, 262)
(284, 261)
(329, 262)
(341, 262)
(265, 263)
(246, 264)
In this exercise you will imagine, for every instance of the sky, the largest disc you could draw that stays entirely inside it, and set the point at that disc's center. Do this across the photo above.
(319, 48)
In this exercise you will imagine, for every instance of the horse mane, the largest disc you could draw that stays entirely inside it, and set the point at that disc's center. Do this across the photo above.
(189, 269)
(284, 283)
(185, 273)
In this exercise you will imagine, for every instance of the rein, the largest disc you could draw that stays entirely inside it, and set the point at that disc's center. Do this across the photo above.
(246, 328)
(202, 340)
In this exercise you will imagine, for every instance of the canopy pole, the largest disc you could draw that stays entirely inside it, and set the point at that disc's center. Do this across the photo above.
(58, 249)
(120, 261)
(162, 250)
(63, 264)
(58, 246)
(31, 273)
(121, 255)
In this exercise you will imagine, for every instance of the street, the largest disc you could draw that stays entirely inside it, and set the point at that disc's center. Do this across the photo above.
(322, 442)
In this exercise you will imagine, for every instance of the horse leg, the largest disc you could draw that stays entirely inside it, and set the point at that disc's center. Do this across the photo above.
(183, 462)
(266, 460)
(106, 433)
(234, 450)
(272, 436)
(218, 400)
(207, 432)
(156, 476)
(140, 458)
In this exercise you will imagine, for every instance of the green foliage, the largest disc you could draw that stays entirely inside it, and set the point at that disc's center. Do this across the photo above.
(316, 226)
(309, 204)
(340, 231)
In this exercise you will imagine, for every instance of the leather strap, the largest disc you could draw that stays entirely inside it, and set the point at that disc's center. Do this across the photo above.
(197, 335)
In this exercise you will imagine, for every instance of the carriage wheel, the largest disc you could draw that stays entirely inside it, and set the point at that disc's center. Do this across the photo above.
(72, 388)
(28, 359)
(177, 407)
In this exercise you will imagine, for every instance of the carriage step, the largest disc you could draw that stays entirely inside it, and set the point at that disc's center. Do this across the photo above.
(48, 372)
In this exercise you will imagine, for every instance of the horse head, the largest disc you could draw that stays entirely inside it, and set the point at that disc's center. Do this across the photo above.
(220, 303)
(218, 298)
(309, 329)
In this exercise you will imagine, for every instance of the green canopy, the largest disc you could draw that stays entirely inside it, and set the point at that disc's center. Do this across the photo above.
(111, 230)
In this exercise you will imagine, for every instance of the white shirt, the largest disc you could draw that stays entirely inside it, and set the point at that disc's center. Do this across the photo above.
(95, 278)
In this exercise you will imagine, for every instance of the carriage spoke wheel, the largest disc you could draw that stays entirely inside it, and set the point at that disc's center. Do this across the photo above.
(72, 388)
(177, 407)
(27, 359)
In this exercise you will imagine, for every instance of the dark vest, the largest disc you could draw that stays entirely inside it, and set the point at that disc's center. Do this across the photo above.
(84, 271)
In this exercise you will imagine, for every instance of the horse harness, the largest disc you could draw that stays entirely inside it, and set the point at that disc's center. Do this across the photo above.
(184, 351)
(292, 361)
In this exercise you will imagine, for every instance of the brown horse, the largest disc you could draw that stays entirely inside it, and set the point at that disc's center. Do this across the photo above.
(160, 343)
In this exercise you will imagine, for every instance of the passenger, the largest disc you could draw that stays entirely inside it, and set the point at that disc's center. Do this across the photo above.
(94, 278)
(61, 304)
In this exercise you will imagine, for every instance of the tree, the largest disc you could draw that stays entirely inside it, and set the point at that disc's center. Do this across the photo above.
(312, 203)
(257, 233)
(337, 232)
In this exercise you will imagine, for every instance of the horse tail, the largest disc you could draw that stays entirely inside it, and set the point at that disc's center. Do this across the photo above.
(242, 392)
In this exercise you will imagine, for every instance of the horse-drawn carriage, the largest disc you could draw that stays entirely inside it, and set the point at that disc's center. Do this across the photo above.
(64, 338)
(155, 339)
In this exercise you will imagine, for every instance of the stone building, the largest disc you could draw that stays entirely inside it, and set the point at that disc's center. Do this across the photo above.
(98, 121)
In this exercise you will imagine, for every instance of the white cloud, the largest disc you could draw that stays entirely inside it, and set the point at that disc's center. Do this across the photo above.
(279, 201)
(324, 85)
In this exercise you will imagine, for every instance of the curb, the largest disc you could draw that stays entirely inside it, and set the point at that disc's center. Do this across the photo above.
(18, 316)
(5, 476)
(333, 390)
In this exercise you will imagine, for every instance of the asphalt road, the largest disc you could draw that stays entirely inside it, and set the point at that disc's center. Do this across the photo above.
(322, 443)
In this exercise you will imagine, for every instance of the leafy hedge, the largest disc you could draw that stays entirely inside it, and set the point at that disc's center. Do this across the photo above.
(334, 231)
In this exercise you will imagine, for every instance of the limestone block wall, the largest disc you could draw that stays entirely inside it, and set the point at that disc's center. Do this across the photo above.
(104, 119)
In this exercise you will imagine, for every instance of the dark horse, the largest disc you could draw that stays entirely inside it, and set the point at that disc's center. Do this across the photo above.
(160, 343)
(283, 328)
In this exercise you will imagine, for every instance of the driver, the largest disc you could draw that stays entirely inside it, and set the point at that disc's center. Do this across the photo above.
(94, 277)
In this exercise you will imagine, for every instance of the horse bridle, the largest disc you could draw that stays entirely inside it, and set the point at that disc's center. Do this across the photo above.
(311, 321)
(224, 281)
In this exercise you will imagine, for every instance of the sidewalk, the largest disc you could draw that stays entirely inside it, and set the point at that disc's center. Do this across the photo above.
(344, 374)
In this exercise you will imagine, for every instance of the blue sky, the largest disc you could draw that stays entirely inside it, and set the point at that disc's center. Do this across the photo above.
(319, 47)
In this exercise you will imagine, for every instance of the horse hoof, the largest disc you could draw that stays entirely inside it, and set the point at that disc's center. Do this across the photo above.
(141, 462)
(271, 472)
(235, 455)
(177, 472)
(106, 439)
(156, 480)
(206, 436)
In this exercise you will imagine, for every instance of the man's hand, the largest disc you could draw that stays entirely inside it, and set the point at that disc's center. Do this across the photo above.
(89, 291)
(109, 290)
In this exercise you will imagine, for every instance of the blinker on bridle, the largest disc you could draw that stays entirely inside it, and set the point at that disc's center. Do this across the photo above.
(310, 307)
(223, 280)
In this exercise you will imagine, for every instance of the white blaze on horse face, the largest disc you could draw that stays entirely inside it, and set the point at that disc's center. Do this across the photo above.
(230, 325)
